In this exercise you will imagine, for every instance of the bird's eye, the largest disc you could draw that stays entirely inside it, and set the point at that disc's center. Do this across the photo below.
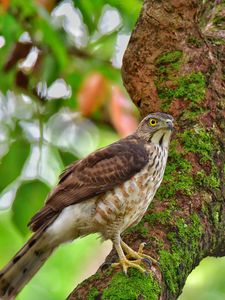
(153, 122)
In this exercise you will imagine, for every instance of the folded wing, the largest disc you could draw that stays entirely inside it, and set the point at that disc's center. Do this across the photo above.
(92, 176)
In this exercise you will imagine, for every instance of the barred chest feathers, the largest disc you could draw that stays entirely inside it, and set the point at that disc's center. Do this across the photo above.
(128, 202)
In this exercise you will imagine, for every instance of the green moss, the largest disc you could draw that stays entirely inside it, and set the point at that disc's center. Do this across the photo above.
(169, 57)
(177, 175)
(169, 263)
(211, 180)
(179, 171)
(139, 228)
(174, 263)
(219, 21)
(167, 64)
(193, 112)
(189, 87)
(93, 294)
(198, 140)
(131, 288)
(215, 213)
(161, 216)
(193, 41)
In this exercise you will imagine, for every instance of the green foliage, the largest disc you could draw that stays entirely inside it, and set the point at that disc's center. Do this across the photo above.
(56, 43)
(206, 282)
(8, 233)
(34, 147)
(10, 165)
(91, 11)
(62, 271)
(29, 199)
(131, 288)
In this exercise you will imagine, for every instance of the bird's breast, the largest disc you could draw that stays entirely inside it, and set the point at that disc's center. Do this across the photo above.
(126, 203)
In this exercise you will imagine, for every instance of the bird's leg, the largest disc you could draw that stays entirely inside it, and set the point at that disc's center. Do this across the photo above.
(123, 261)
(139, 255)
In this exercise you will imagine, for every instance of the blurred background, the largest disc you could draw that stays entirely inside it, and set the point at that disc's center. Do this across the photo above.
(61, 97)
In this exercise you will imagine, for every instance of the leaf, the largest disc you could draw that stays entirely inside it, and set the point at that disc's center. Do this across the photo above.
(12, 163)
(18, 52)
(92, 93)
(70, 132)
(44, 163)
(47, 4)
(8, 234)
(7, 196)
(128, 9)
(29, 198)
(119, 49)
(110, 20)
(103, 47)
(54, 40)
(71, 19)
(106, 135)
(67, 158)
(59, 89)
(5, 4)
(91, 11)
(122, 113)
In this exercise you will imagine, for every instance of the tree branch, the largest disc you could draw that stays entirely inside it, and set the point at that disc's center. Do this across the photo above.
(173, 63)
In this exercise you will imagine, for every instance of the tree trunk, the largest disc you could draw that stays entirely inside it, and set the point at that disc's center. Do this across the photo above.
(175, 63)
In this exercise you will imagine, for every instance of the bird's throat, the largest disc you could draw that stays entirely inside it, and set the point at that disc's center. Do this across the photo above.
(161, 137)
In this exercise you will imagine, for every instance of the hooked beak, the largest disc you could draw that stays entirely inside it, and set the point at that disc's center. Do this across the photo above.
(169, 124)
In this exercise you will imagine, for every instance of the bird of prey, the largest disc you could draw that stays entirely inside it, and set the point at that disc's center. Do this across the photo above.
(105, 193)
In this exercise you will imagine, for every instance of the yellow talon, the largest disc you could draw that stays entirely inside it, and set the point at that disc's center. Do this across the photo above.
(139, 255)
(125, 263)
(137, 258)
(140, 252)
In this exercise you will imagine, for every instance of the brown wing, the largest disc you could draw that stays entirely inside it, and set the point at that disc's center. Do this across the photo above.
(94, 175)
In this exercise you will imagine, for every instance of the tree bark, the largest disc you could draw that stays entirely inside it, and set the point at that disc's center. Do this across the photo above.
(175, 63)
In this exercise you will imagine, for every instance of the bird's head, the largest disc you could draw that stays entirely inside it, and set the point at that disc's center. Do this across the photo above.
(156, 128)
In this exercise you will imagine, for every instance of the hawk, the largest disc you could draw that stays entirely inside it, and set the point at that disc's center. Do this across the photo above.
(105, 193)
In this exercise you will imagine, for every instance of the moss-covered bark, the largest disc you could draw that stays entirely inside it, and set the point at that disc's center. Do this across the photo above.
(175, 63)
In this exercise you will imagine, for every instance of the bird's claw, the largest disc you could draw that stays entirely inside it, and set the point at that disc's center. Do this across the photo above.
(147, 261)
(126, 264)
(139, 254)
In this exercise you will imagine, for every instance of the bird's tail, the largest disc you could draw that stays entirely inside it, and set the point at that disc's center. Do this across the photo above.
(24, 265)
